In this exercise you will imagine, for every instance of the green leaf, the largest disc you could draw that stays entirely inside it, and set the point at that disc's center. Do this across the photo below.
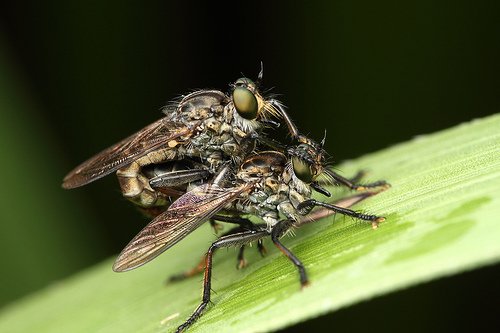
(441, 214)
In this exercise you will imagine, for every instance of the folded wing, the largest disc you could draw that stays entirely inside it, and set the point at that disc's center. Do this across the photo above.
(124, 152)
(185, 215)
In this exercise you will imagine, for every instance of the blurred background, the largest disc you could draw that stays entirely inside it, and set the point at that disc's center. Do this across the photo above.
(76, 77)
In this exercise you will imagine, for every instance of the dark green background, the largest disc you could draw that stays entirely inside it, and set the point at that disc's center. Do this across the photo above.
(76, 77)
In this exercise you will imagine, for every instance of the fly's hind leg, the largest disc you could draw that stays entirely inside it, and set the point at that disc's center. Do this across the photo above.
(244, 225)
(152, 180)
(238, 239)
(177, 178)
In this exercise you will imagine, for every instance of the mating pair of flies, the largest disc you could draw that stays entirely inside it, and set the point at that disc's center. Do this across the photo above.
(208, 159)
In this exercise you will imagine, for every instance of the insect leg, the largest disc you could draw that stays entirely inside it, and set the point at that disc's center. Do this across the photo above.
(307, 205)
(178, 177)
(216, 226)
(342, 202)
(294, 132)
(352, 183)
(268, 142)
(279, 230)
(190, 273)
(241, 262)
(245, 225)
(318, 188)
(357, 177)
(237, 239)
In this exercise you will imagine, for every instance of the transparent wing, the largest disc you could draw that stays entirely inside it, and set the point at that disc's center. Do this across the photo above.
(124, 152)
(185, 215)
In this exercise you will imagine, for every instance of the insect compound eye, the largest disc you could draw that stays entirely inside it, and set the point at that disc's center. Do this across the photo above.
(244, 82)
(245, 102)
(302, 170)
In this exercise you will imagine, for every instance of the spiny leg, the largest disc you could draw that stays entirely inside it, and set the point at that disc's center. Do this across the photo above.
(344, 202)
(279, 230)
(242, 262)
(283, 226)
(244, 225)
(178, 177)
(317, 185)
(328, 181)
(238, 239)
(307, 205)
(352, 183)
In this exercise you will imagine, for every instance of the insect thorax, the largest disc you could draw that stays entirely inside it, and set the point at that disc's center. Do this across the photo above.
(218, 134)
(275, 193)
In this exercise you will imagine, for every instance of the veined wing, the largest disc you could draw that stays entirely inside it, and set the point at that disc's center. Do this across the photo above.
(124, 152)
(185, 215)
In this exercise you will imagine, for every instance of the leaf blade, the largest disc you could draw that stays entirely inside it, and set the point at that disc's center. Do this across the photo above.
(441, 219)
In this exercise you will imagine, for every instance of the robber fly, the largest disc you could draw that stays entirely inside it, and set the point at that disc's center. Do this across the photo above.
(269, 185)
(207, 125)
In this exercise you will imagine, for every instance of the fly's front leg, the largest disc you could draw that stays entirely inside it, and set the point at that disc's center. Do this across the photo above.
(278, 107)
(358, 176)
(318, 188)
(342, 202)
(307, 205)
(238, 239)
(279, 230)
(352, 183)
(270, 143)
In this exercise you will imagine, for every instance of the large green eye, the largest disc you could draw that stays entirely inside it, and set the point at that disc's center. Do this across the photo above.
(244, 82)
(245, 103)
(302, 170)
